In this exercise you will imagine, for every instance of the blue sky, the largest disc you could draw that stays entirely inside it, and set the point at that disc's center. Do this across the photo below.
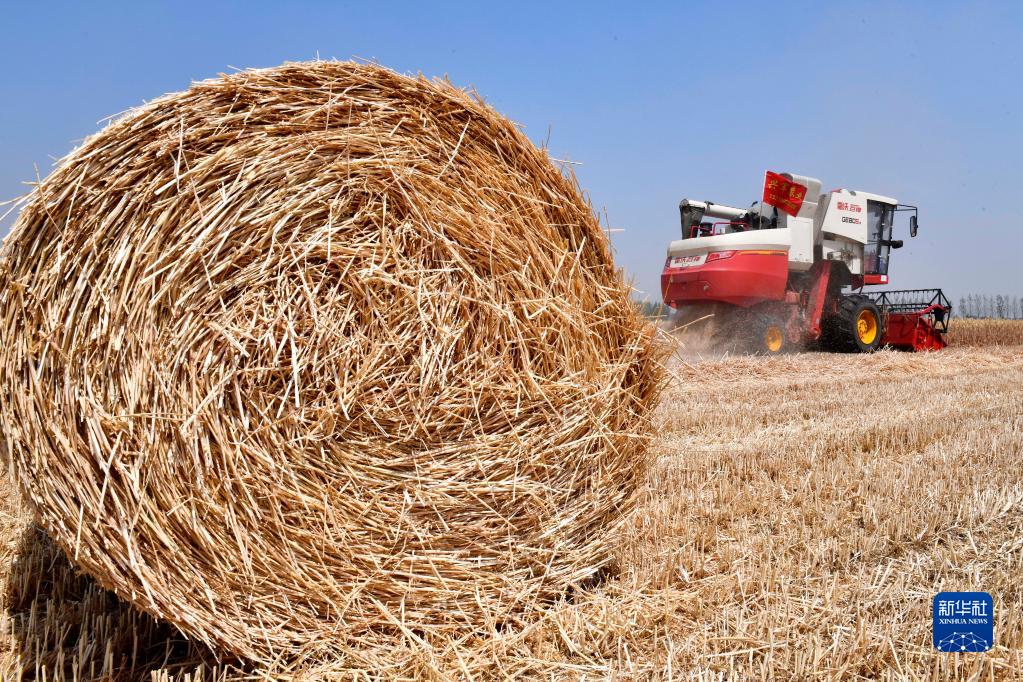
(920, 101)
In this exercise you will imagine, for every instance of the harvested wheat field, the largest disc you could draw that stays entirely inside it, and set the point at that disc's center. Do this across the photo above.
(798, 516)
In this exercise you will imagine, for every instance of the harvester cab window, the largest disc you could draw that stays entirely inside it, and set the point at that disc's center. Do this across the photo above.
(879, 236)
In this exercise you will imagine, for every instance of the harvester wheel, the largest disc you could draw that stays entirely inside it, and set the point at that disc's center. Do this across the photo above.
(856, 326)
(769, 338)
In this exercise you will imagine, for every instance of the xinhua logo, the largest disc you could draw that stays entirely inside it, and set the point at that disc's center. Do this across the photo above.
(964, 621)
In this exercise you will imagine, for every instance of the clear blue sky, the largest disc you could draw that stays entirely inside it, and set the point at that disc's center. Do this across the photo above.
(918, 101)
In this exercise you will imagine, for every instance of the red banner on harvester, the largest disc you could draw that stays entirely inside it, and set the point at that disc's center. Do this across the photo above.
(782, 193)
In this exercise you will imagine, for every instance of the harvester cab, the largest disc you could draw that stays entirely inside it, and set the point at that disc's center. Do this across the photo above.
(790, 271)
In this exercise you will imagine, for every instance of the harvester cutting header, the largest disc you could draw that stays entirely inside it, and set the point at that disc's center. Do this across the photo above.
(790, 271)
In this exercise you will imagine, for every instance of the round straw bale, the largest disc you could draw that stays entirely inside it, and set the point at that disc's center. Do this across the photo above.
(314, 358)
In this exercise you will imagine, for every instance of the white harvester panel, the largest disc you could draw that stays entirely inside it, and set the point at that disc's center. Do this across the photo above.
(845, 216)
(801, 225)
(773, 240)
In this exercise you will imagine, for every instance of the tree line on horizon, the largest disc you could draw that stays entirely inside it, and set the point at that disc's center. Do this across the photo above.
(974, 306)
(992, 306)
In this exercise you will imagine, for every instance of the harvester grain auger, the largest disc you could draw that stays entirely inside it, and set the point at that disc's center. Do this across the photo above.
(790, 272)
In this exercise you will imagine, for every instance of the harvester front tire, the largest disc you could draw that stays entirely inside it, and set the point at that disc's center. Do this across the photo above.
(857, 325)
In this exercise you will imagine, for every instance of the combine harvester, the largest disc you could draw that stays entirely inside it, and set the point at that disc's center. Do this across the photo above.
(789, 272)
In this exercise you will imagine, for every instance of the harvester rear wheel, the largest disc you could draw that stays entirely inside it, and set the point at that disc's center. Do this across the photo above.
(856, 326)
(769, 337)
(774, 339)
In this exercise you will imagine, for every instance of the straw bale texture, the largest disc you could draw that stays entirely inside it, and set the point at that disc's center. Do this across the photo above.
(312, 359)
